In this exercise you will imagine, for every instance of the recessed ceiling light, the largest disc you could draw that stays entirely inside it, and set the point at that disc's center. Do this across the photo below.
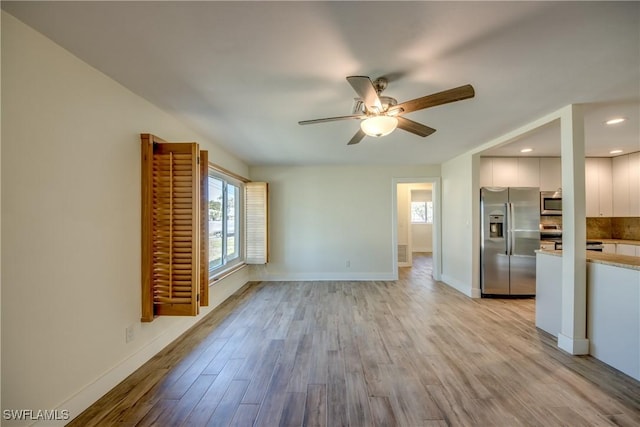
(615, 120)
(615, 151)
(526, 150)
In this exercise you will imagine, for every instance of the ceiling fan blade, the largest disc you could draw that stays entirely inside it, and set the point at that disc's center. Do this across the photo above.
(414, 127)
(365, 90)
(357, 137)
(444, 97)
(331, 119)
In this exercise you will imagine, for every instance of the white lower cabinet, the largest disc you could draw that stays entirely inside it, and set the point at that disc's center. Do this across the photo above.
(621, 249)
(613, 310)
(624, 249)
(548, 293)
(613, 316)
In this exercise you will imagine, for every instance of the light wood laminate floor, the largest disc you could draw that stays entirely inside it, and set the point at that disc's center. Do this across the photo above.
(408, 353)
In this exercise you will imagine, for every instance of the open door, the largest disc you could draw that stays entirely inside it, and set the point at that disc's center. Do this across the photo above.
(416, 221)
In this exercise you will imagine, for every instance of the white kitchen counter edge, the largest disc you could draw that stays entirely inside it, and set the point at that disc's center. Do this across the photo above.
(622, 261)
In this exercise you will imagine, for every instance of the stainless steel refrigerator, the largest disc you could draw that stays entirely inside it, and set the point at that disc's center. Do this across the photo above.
(510, 235)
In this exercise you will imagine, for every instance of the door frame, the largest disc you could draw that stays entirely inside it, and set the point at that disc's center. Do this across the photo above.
(436, 230)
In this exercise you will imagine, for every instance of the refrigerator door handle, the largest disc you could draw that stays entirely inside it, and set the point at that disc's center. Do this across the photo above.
(511, 222)
(507, 226)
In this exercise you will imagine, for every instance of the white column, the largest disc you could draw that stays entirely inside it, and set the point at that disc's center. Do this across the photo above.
(572, 337)
(476, 224)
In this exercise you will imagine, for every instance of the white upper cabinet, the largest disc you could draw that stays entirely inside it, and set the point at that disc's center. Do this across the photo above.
(612, 184)
(626, 185)
(528, 172)
(591, 183)
(621, 186)
(550, 173)
(634, 184)
(486, 172)
(599, 201)
(505, 171)
(605, 186)
(509, 172)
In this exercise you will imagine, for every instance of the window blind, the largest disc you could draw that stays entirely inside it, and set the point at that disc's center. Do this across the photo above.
(256, 222)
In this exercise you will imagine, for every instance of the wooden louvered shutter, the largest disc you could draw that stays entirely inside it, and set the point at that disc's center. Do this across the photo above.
(204, 228)
(256, 222)
(171, 228)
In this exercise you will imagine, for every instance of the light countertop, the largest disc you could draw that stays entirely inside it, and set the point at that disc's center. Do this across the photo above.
(625, 242)
(621, 241)
(623, 261)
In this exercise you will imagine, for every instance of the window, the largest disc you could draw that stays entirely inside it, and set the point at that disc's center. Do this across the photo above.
(225, 219)
(422, 212)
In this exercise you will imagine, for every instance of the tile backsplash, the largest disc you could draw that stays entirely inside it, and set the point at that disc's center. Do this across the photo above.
(599, 228)
(551, 219)
(626, 228)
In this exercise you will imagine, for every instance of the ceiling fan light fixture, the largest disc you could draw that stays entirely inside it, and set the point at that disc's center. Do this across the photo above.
(379, 125)
(380, 115)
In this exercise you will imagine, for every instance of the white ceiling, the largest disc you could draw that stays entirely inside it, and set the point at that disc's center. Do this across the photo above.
(244, 73)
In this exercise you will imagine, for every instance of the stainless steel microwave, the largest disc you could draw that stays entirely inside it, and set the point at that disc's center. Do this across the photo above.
(551, 202)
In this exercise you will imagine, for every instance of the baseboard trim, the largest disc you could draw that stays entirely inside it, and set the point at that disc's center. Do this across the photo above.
(321, 277)
(93, 391)
(476, 293)
(574, 346)
(424, 249)
(460, 286)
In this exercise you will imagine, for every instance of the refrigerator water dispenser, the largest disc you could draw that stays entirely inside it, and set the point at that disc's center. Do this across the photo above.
(496, 223)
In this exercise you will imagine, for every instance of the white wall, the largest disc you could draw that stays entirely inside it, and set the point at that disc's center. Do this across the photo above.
(71, 226)
(404, 215)
(323, 216)
(0, 227)
(421, 234)
(422, 237)
(403, 205)
(457, 219)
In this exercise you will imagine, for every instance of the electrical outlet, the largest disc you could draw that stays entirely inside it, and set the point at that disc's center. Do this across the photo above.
(129, 333)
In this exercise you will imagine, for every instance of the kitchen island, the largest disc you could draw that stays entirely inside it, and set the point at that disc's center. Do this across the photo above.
(613, 305)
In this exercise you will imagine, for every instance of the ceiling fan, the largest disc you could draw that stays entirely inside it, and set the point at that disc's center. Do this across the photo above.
(380, 115)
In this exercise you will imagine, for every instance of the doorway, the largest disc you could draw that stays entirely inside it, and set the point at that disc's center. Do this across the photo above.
(416, 222)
